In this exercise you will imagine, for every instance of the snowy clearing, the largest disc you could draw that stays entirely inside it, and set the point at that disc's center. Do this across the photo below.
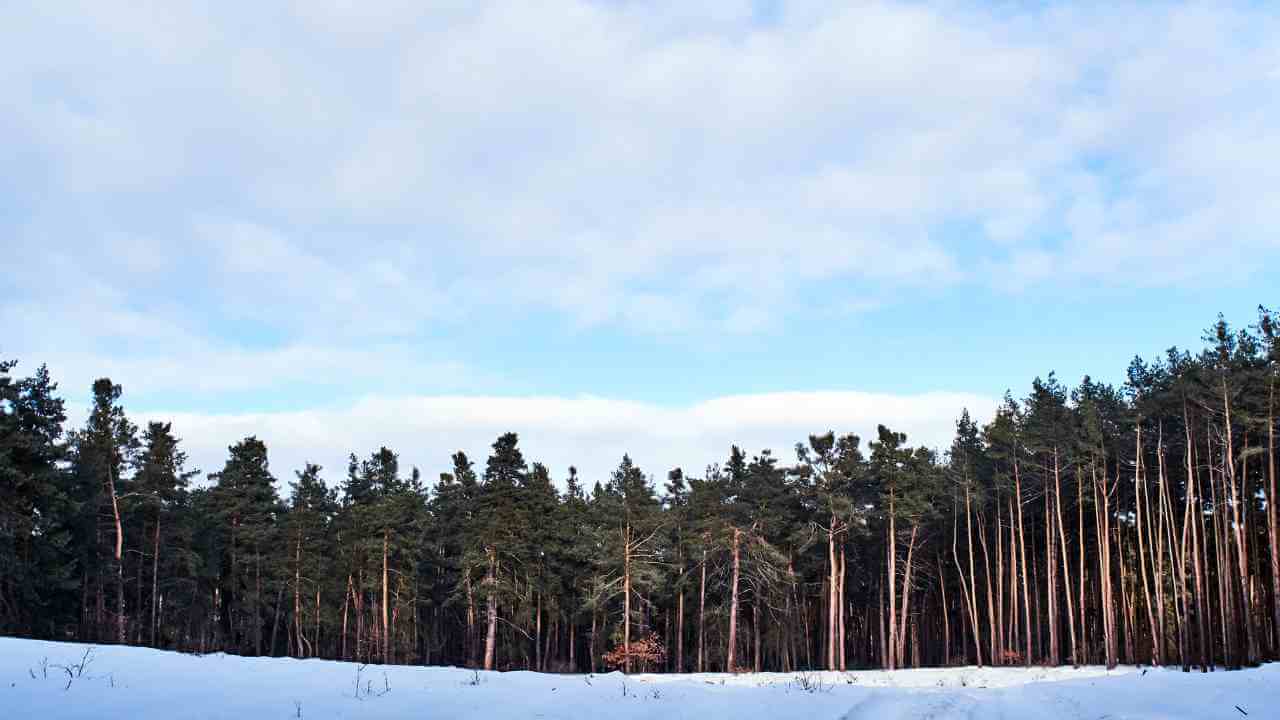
(43, 680)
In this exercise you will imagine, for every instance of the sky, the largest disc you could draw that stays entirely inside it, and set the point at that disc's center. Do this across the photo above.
(621, 226)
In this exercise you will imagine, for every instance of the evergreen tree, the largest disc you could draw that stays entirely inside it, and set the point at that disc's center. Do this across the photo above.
(159, 491)
(37, 510)
(104, 450)
(247, 508)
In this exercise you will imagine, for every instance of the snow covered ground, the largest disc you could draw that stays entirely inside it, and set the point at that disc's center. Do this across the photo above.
(121, 682)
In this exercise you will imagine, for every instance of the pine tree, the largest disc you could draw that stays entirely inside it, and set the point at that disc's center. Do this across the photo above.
(37, 554)
(158, 490)
(630, 551)
(247, 508)
(497, 535)
(312, 511)
(104, 450)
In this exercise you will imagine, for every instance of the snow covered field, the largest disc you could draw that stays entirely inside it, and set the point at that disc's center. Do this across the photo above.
(122, 682)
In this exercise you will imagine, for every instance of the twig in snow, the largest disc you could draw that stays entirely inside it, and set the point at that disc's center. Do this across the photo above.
(75, 670)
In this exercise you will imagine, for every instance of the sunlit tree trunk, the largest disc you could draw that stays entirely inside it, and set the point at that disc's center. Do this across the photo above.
(731, 661)
(491, 608)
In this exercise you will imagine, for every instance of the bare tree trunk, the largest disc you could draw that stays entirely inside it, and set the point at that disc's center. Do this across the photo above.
(946, 617)
(1250, 650)
(1102, 511)
(1014, 637)
(973, 577)
(257, 600)
(346, 604)
(1066, 568)
(832, 601)
(119, 556)
(998, 657)
(1196, 514)
(1084, 633)
(1022, 549)
(470, 644)
(702, 612)
(891, 651)
(679, 626)
(1273, 533)
(1141, 508)
(1184, 595)
(491, 608)
(994, 640)
(884, 643)
(965, 594)
(315, 637)
(299, 646)
(155, 572)
(731, 661)
(386, 621)
(1158, 547)
(906, 598)
(1050, 580)
(626, 599)
(592, 645)
(841, 612)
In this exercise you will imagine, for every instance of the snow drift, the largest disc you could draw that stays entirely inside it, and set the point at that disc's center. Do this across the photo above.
(52, 681)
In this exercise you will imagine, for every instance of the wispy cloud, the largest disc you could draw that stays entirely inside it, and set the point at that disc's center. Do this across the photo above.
(228, 188)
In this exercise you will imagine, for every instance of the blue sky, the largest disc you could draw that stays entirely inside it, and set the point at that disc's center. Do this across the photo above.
(639, 226)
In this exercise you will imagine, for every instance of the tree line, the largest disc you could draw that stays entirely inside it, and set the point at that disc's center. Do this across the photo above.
(1086, 524)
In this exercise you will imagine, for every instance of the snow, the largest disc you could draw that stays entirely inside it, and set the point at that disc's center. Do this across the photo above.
(124, 682)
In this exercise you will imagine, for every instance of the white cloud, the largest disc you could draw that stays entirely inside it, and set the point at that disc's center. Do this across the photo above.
(231, 198)
(589, 432)
(624, 146)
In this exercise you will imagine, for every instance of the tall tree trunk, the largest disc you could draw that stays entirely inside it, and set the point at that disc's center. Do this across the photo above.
(469, 644)
(155, 573)
(702, 612)
(891, 651)
(1022, 549)
(119, 556)
(299, 645)
(386, 621)
(1084, 634)
(491, 608)
(832, 601)
(731, 661)
(1273, 530)
(1196, 508)
(592, 644)
(994, 639)
(840, 604)
(973, 577)
(679, 625)
(1250, 649)
(1015, 638)
(946, 617)
(346, 604)
(1163, 520)
(906, 598)
(1066, 568)
(626, 600)
(1050, 580)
